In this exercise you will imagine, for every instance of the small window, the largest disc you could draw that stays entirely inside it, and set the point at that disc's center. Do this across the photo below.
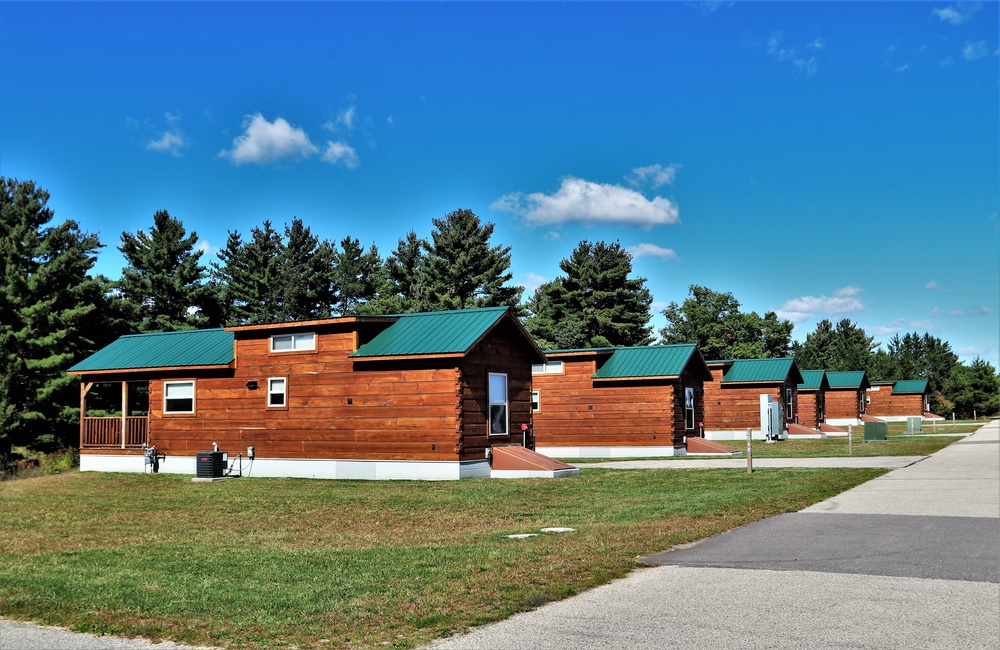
(498, 404)
(293, 342)
(535, 404)
(789, 411)
(178, 397)
(276, 392)
(548, 368)
(689, 407)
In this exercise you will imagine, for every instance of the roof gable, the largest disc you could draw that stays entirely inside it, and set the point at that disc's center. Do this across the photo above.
(814, 380)
(754, 371)
(910, 387)
(187, 348)
(856, 379)
(438, 333)
(653, 361)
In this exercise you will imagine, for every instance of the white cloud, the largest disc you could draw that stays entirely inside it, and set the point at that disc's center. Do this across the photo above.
(170, 142)
(206, 248)
(844, 301)
(655, 175)
(957, 13)
(266, 142)
(651, 250)
(533, 282)
(818, 44)
(973, 51)
(580, 201)
(341, 153)
(552, 235)
(344, 119)
(982, 310)
(804, 64)
(932, 285)
(974, 351)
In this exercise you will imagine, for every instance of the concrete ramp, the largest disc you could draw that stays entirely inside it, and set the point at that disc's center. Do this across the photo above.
(932, 416)
(521, 462)
(829, 428)
(703, 446)
(799, 431)
(869, 418)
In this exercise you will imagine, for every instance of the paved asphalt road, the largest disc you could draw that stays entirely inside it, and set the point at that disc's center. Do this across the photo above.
(908, 560)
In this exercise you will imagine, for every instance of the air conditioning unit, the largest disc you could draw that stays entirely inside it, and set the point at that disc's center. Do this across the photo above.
(210, 464)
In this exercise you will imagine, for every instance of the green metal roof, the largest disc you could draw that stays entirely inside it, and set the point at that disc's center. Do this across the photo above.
(212, 347)
(814, 380)
(649, 361)
(910, 386)
(745, 371)
(433, 333)
(848, 379)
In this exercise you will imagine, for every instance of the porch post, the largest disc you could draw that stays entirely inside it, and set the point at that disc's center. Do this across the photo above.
(84, 389)
(124, 411)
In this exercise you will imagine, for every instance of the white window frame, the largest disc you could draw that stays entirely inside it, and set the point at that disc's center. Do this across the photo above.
(302, 342)
(689, 421)
(548, 368)
(789, 412)
(283, 392)
(166, 398)
(536, 401)
(494, 401)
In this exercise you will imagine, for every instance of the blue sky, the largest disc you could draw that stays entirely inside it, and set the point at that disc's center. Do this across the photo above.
(823, 160)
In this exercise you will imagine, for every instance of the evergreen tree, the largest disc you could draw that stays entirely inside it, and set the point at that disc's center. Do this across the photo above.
(461, 269)
(53, 313)
(164, 288)
(596, 304)
(248, 277)
(922, 357)
(714, 321)
(974, 390)
(817, 352)
(305, 283)
(403, 273)
(845, 346)
(358, 276)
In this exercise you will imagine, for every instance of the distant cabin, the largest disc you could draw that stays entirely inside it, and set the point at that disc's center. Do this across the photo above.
(812, 394)
(845, 399)
(608, 402)
(896, 400)
(732, 400)
(415, 396)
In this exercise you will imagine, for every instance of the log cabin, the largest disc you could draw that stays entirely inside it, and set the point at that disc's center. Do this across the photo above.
(608, 402)
(897, 400)
(812, 392)
(845, 399)
(415, 396)
(732, 399)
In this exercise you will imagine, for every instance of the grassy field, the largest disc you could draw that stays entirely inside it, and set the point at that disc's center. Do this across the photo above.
(268, 563)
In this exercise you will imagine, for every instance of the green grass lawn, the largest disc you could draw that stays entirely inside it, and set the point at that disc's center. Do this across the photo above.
(267, 563)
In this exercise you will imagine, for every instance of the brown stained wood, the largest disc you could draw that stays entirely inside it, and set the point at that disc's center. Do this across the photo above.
(885, 404)
(843, 404)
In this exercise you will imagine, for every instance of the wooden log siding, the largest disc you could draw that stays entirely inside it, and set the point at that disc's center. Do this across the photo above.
(885, 404)
(843, 404)
(409, 412)
(500, 351)
(809, 409)
(576, 411)
(732, 407)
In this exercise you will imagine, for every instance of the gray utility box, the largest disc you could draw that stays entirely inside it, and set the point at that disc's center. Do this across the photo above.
(876, 431)
(913, 424)
(210, 464)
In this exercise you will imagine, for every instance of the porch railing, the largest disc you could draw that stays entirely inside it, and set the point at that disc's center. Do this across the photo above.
(107, 431)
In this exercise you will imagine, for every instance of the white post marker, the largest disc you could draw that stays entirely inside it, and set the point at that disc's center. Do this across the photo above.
(749, 451)
(850, 439)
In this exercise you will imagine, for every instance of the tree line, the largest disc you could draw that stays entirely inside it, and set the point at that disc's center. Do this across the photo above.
(54, 311)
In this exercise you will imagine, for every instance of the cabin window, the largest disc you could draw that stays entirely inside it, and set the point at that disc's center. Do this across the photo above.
(293, 342)
(276, 392)
(178, 397)
(536, 405)
(789, 412)
(689, 407)
(548, 368)
(820, 407)
(498, 404)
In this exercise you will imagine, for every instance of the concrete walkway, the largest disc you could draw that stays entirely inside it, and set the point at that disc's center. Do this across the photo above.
(908, 560)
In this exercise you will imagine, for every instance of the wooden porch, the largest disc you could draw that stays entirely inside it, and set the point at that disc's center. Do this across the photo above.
(116, 432)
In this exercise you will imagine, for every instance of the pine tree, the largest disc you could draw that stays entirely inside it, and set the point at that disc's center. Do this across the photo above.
(596, 304)
(358, 276)
(164, 288)
(247, 276)
(304, 279)
(461, 269)
(403, 269)
(845, 346)
(53, 313)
